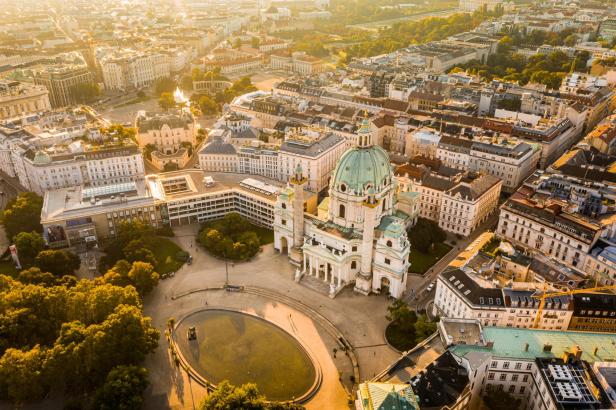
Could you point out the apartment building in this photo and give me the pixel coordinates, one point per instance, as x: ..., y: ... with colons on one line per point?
x: 544, y: 369
x: 459, y: 201
x: 469, y: 204
x: 556, y: 225
x: 317, y: 154
x: 78, y: 164
x: 298, y: 62
x: 60, y: 80
x: 128, y: 69
x: 464, y: 295
x: 510, y: 160
x: 18, y: 99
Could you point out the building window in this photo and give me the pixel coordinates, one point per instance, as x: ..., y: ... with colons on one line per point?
x: 389, y: 244
x: 491, y: 376
x: 341, y: 211
x: 353, y: 265
x: 512, y: 388
x: 505, y: 365
x: 387, y: 261
x: 503, y: 377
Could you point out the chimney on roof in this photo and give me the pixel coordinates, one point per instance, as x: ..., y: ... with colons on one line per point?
x: 526, y: 347
x: 490, y: 344
x: 547, y: 347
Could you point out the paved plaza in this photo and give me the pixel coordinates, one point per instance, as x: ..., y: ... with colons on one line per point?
x: 297, y: 309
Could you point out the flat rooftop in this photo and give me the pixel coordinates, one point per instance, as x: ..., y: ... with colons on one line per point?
x: 511, y: 343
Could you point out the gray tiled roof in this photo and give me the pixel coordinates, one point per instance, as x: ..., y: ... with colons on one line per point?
x: 312, y: 148
x: 218, y: 147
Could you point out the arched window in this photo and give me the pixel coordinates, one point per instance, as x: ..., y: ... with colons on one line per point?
x: 389, y: 244
x: 342, y: 187
x: 341, y: 211
x: 284, y: 206
x: 353, y: 265
x: 384, y: 204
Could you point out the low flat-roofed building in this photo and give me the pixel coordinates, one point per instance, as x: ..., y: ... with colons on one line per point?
x: 77, y: 215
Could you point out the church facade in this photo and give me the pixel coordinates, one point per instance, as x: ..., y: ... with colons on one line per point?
x: 359, y: 236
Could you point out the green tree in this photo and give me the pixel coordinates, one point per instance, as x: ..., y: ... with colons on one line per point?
x: 226, y: 396
x: 254, y: 42
x: 21, y: 376
x: 123, y: 389
x: 165, y: 85
x: 166, y: 101
x: 23, y: 214
x: 207, y: 105
x: 34, y: 276
x: 401, y: 315
x: 28, y: 244
x: 57, y: 262
x: 143, y: 277
x: 425, y: 234
x: 137, y: 250
x: 85, y: 93
x: 423, y: 328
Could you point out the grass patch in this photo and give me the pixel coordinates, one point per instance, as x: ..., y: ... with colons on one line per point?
x: 8, y: 268
x: 398, y: 338
x: 165, y: 252
x: 421, y: 262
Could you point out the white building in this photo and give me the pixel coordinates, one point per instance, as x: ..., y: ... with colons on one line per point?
x: 43, y: 170
x: 17, y: 99
x: 512, y: 161
x: 462, y: 295
x: 361, y: 242
x: 166, y: 131
x: 131, y: 69
x: 469, y: 204
x: 316, y: 153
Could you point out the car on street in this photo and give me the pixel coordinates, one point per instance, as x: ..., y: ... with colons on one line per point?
x: 430, y: 287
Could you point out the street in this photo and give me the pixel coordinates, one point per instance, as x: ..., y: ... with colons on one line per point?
x: 416, y: 294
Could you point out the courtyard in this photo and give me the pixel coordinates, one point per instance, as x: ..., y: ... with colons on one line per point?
x: 270, y: 293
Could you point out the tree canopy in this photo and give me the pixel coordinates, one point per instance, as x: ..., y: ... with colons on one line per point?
x: 425, y: 234
x: 85, y: 93
x: 28, y: 244
x: 68, y: 337
x: 23, y: 214
x: 57, y: 262
x: 247, y: 396
x: 229, y: 238
x: 123, y: 389
x: 166, y: 100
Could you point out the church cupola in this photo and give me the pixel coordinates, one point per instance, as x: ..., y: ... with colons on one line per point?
x: 364, y: 134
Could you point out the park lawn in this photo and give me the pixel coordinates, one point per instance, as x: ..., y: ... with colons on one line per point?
x: 8, y: 268
x: 265, y: 235
x: 165, y: 252
x: 421, y: 262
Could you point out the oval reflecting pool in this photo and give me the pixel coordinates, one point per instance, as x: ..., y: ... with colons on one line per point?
x: 242, y: 348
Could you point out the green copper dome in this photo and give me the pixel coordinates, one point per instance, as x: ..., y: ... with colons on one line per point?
x: 361, y: 168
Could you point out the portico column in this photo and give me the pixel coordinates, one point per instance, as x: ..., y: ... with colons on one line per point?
x: 326, y: 271
x: 331, y: 278
x: 339, y: 274
x: 304, y: 256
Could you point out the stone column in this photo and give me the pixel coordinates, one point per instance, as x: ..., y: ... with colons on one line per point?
x: 339, y: 274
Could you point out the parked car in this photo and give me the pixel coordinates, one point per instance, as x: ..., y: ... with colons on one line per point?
x: 190, y: 259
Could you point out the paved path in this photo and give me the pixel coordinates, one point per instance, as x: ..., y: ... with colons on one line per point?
x: 361, y: 319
